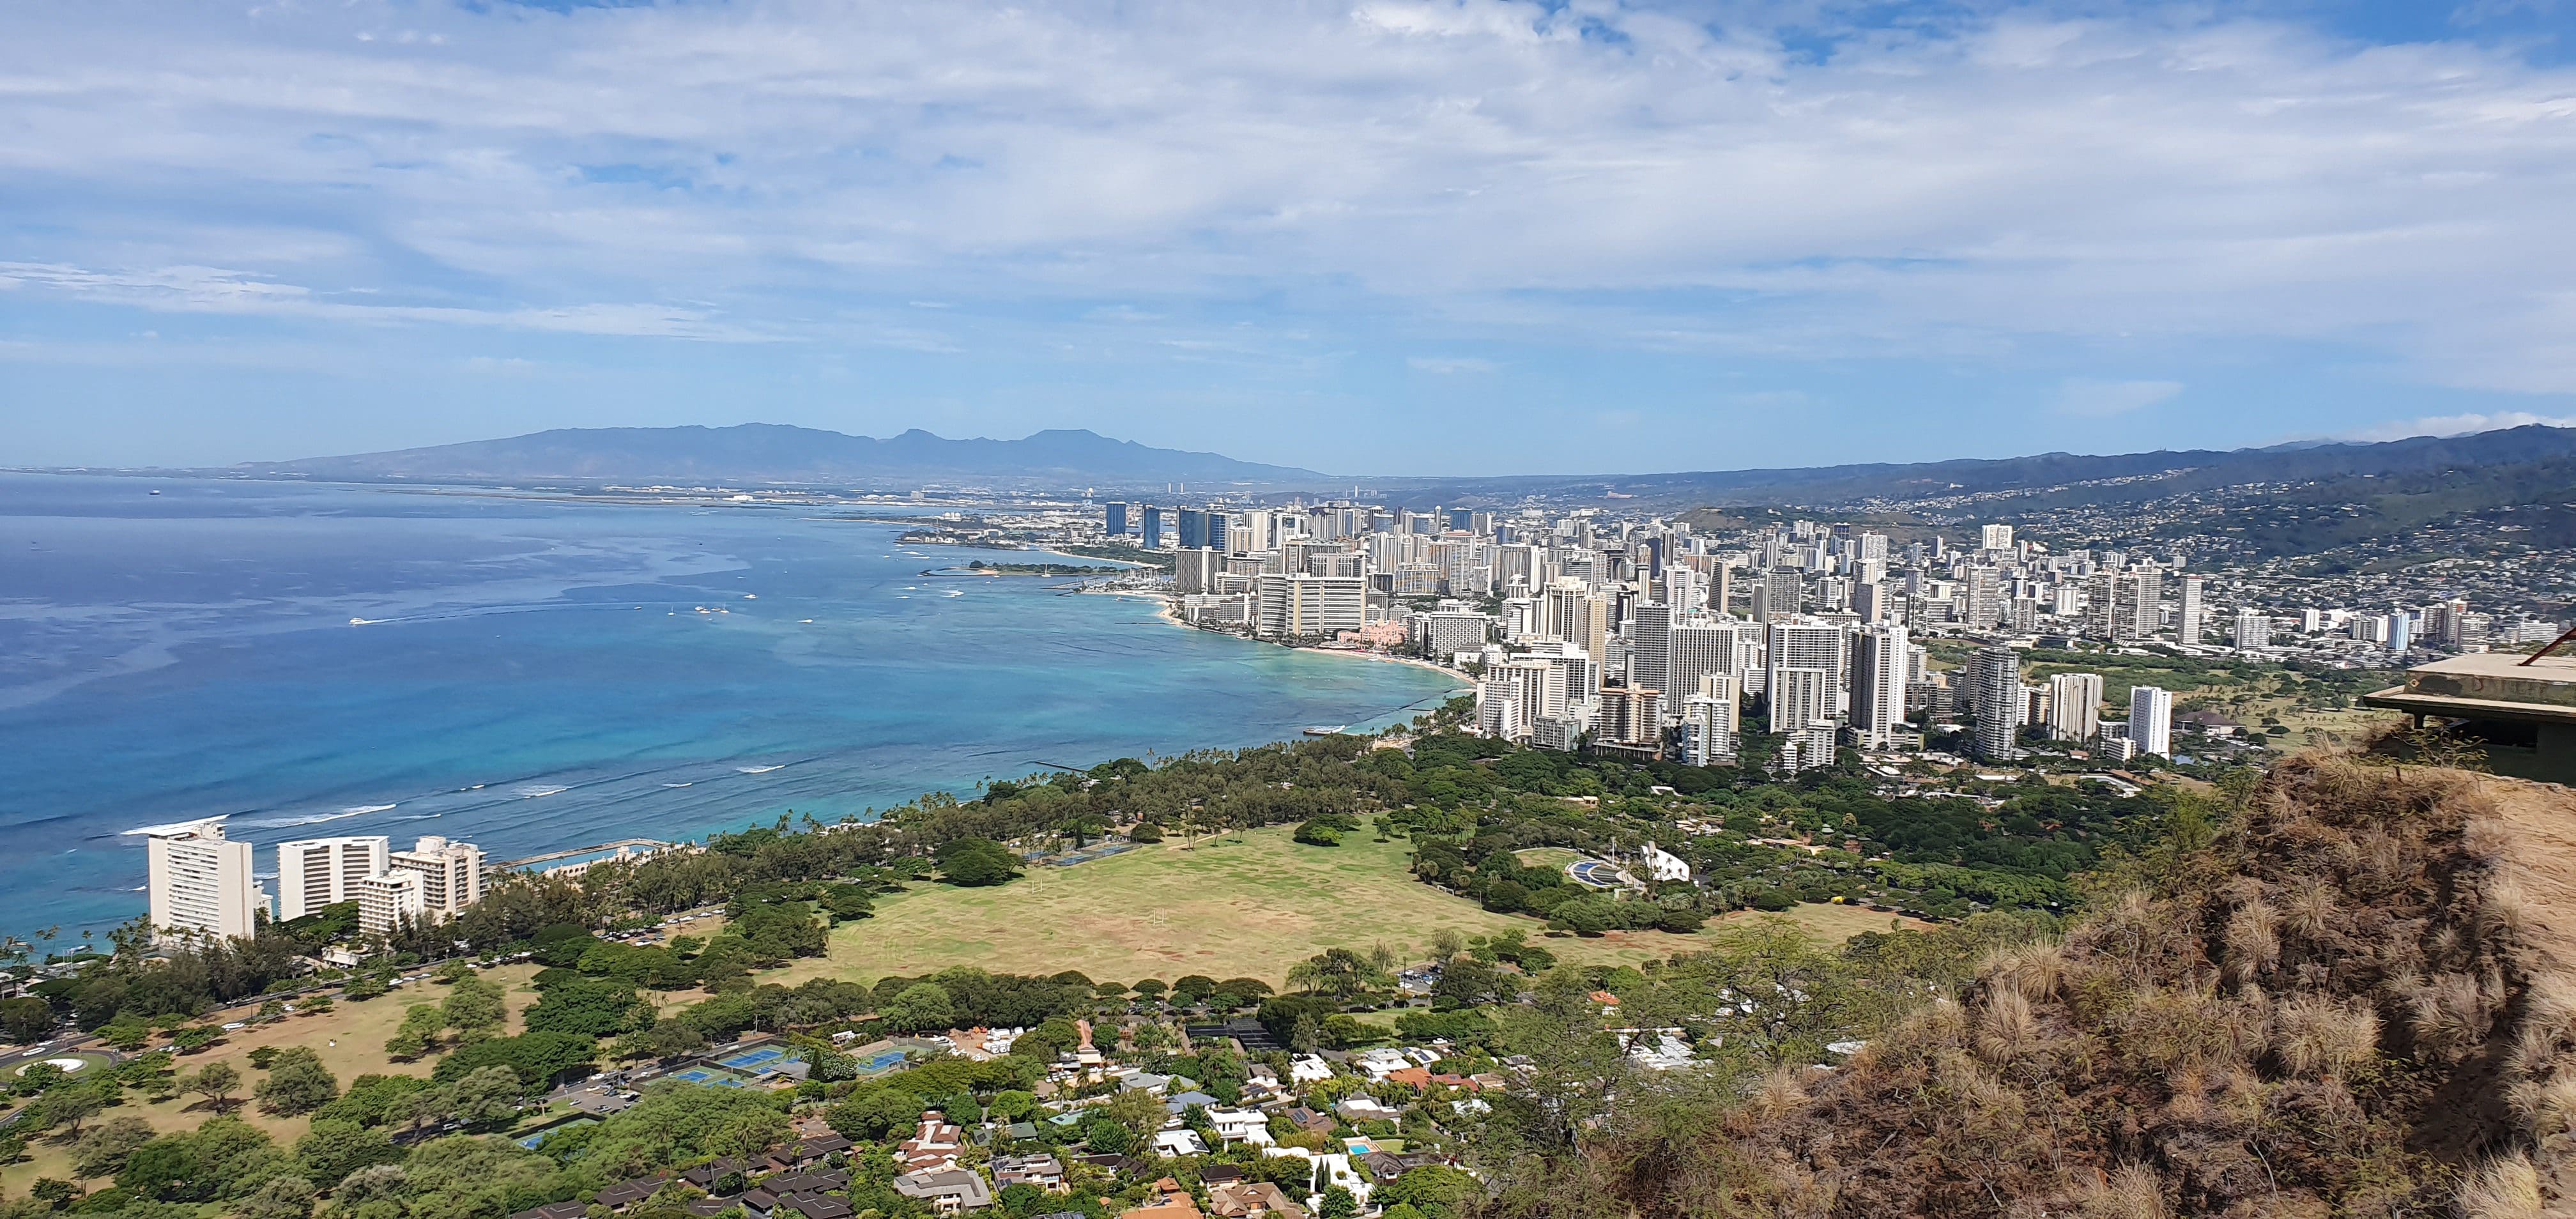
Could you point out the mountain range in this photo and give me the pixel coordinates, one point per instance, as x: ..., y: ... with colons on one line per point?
x: 778, y: 453
x: 760, y: 453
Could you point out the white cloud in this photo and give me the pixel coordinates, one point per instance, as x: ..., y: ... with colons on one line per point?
x: 1449, y: 365
x: 2457, y: 425
x: 1613, y: 174
x: 2103, y: 399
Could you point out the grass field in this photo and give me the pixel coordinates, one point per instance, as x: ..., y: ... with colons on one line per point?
x: 1245, y: 905
x: 349, y: 1039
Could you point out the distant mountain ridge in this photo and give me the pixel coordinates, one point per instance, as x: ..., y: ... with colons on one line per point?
x: 780, y: 453
x: 2198, y: 469
x: 762, y: 453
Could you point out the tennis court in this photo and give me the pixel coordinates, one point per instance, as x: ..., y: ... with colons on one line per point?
x: 708, y: 1077
x: 885, y: 1060
x: 752, y: 1060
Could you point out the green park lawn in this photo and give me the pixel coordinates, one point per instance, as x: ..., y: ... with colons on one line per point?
x: 1243, y: 905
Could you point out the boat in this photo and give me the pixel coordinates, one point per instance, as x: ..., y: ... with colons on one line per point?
x: 1325, y: 729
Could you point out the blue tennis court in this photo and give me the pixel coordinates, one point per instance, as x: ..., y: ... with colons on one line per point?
x: 752, y: 1060
x: 706, y: 1078
x: 883, y: 1061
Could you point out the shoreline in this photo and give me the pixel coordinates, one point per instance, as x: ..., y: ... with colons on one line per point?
x: 1167, y: 609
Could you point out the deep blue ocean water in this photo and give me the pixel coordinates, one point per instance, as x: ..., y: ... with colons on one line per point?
x: 535, y: 675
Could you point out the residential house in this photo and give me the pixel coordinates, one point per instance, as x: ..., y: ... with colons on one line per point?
x: 1044, y: 1171
x: 1309, y: 1069
x: 554, y: 1210
x: 1180, y: 1141
x: 935, y: 1146
x: 1241, y: 1126
x: 949, y: 1191
x: 1167, y: 1201
x: 1252, y: 1200
x: 625, y: 1194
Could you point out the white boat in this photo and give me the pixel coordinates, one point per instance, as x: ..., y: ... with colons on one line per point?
x: 1325, y: 729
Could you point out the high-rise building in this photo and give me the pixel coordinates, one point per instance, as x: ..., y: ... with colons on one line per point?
x: 1445, y: 633
x: 2146, y: 601
x: 1117, y: 525
x: 1632, y: 717
x: 2187, y: 624
x: 1878, y: 685
x: 1984, y: 589
x: 1650, y: 646
x: 1802, y: 674
x: 1994, y: 537
x: 1702, y: 648
x: 1778, y: 595
x: 1153, y: 527
x: 1709, y: 724
x: 2151, y: 720
x: 2253, y: 630
x: 1995, y: 674
x: 451, y: 875
x: 1300, y: 606
x: 317, y: 872
x: 1195, y: 569
x: 389, y: 900
x: 2074, y: 706
x: 200, y: 881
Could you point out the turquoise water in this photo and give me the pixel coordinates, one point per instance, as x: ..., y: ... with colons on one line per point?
x: 535, y: 675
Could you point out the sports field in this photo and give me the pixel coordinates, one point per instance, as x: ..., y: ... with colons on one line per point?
x: 1245, y: 905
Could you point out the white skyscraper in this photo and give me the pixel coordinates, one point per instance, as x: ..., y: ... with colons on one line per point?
x: 2074, y: 706
x: 1700, y: 649
x: 2151, y: 720
x: 451, y: 875
x: 2187, y: 625
x: 1803, y: 674
x: 316, y: 872
x: 1994, y: 537
x: 200, y: 881
x: 1878, y: 667
x: 1709, y: 725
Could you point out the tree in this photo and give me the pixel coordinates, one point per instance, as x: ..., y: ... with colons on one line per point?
x: 103, y: 1151
x: 334, y: 1148
x: 673, y: 1041
x: 874, y: 1114
x: 976, y: 862
x: 920, y: 1007
x: 279, y: 1198
x: 216, y: 1081
x: 419, y: 1033
x: 297, y: 1083
x: 1340, y: 1204
x: 1436, y: 1191
x: 474, y: 1007
x: 72, y: 1106
x: 487, y: 1096
x: 26, y: 1019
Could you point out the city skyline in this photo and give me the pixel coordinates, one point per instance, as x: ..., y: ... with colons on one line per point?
x: 1632, y: 238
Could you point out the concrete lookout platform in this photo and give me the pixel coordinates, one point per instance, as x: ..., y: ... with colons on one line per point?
x: 2523, y: 714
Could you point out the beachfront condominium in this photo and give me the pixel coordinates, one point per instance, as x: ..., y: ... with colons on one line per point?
x: 431, y: 883
x: 317, y: 872
x: 451, y: 875
x: 201, y: 881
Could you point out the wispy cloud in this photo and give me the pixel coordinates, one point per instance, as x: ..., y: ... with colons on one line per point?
x: 1449, y: 365
x: 2089, y: 399
x: 191, y: 289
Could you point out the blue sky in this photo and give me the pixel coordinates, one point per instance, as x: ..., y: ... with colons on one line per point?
x: 1372, y: 236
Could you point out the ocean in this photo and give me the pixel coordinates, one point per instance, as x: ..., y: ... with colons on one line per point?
x: 534, y: 674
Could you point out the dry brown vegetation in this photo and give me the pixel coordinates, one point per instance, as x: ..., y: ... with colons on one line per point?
x: 2341, y: 1001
